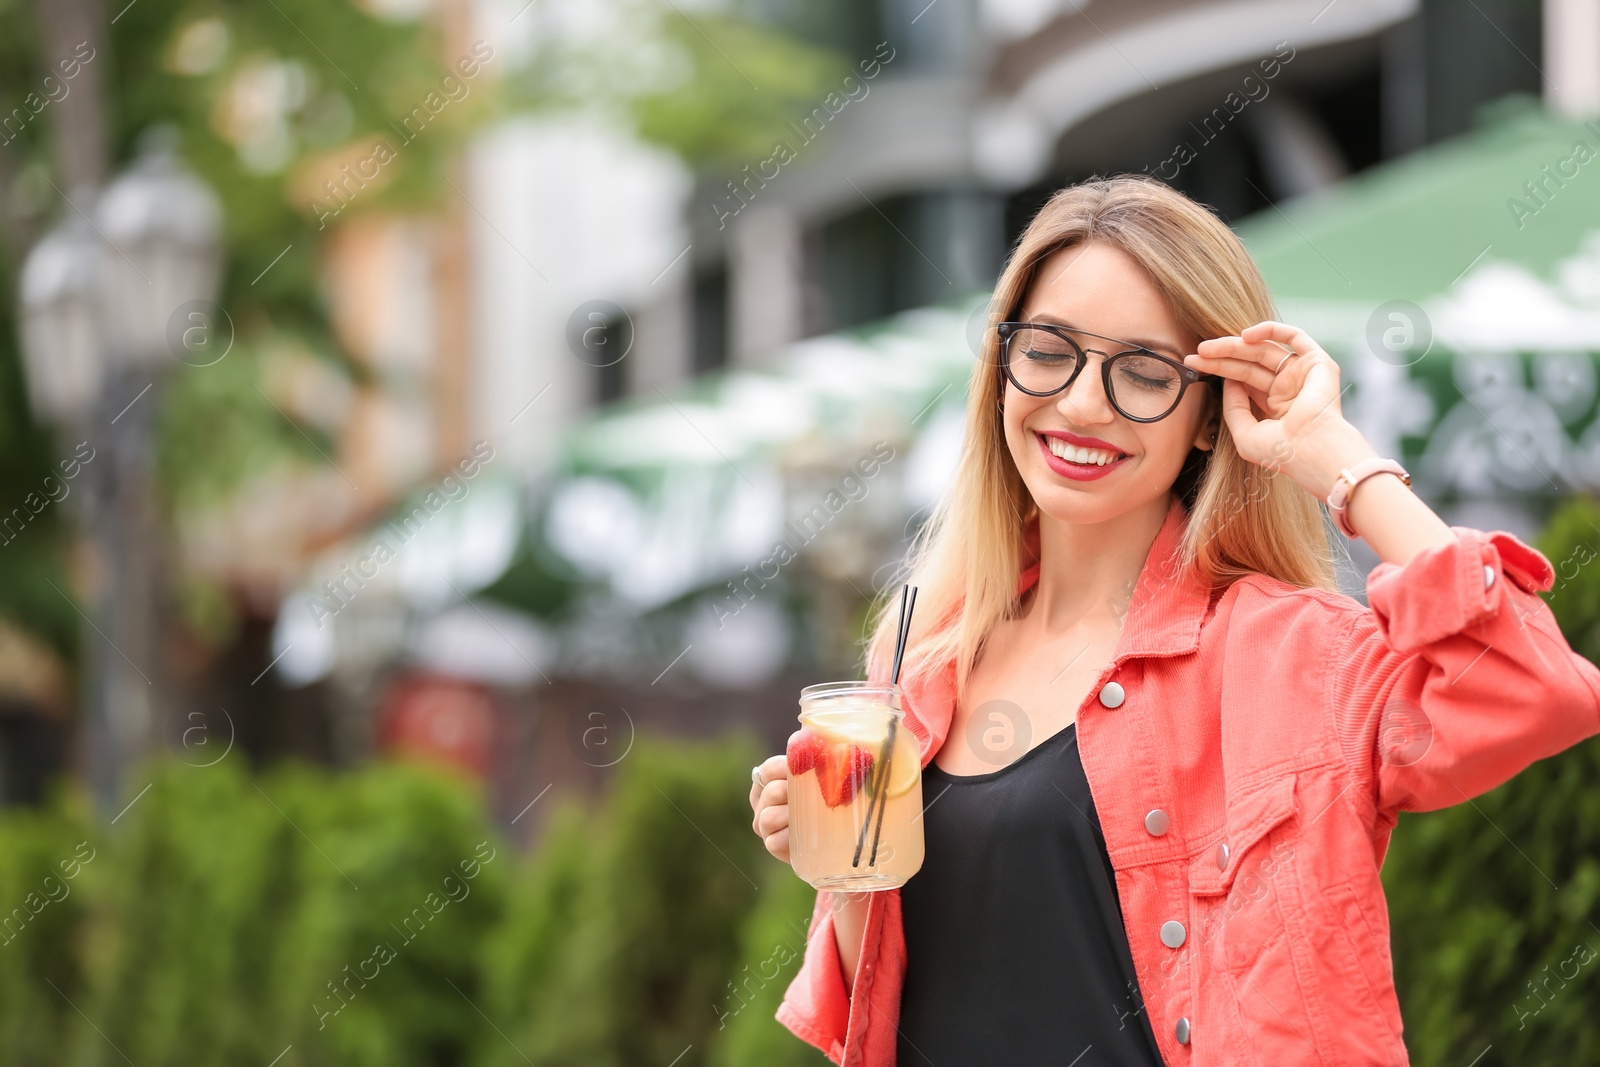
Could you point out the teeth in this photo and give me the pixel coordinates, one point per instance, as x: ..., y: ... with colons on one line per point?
x: 1097, y: 457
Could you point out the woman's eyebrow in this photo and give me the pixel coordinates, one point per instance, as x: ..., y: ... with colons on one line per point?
x: 1154, y: 346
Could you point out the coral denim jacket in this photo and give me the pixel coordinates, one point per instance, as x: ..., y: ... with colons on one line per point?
x: 1282, y: 730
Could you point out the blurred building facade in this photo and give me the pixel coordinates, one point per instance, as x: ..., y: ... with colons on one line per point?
x: 912, y: 193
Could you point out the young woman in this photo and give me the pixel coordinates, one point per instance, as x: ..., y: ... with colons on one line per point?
x: 1162, y: 754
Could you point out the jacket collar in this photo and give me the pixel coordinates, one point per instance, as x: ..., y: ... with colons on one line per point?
x: 1162, y: 616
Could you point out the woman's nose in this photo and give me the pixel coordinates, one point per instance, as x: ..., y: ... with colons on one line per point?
x: 1086, y: 399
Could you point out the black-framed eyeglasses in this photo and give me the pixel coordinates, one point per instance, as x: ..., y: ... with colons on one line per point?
x: 1043, y: 359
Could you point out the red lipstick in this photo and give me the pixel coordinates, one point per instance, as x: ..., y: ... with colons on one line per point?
x: 1078, y: 472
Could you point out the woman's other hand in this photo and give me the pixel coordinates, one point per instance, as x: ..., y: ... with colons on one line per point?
x: 770, y: 802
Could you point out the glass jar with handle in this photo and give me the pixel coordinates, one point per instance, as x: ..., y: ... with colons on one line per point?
x: 855, y: 789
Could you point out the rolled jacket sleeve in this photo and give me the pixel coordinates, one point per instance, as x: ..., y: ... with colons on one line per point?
x: 1457, y: 676
x: 816, y: 1008
x: 856, y: 1029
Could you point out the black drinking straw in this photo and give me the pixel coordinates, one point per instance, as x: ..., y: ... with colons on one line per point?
x: 880, y: 798
x: 908, y: 604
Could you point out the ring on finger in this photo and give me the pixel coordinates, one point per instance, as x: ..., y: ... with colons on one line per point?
x: 755, y: 776
x: 1287, y: 357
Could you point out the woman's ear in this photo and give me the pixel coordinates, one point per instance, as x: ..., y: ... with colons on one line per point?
x: 1205, y: 438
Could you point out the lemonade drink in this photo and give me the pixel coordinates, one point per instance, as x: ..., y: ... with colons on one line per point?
x: 855, y: 789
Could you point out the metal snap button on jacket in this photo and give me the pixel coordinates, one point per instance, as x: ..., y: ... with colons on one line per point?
x: 1111, y: 695
x: 1488, y: 576
x: 1173, y: 933
x: 1157, y: 822
x: 1182, y: 1031
x: 1222, y: 856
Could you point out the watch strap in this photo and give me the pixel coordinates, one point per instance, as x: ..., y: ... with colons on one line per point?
x: 1349, y: 478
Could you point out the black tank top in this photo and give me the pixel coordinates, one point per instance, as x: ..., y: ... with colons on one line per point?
x: 1016, y: 952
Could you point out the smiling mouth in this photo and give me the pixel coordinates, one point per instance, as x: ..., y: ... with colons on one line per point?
x: 1089, y: 457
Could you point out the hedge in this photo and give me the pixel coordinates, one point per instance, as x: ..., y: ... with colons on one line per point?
x: 377, y: 918
x: 46, y: 863
x: 620, y: 948
x: 238, y: 917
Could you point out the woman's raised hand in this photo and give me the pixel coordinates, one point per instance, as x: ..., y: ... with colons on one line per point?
x: 770, y: 802
x: 1278, y: 371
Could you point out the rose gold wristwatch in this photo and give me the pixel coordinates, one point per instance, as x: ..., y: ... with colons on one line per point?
x: 1349, y: 478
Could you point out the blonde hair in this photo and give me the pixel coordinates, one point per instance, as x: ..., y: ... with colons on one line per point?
x: 1243, y: 519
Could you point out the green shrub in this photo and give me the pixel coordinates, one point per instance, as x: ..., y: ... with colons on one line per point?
x: 522, y: 963
x: 246, y: 916
x: 1493, y: 903
x: 192, y: 869
x: 772, y: 947
x: 47, y: 864
x: 431, y: 874
x: 364, y: 919
x: 623, y: 942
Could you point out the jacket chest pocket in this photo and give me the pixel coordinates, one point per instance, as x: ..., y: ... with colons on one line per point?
x: 1242, y: 888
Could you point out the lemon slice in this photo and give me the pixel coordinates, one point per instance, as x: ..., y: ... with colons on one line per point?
x: 905, y: 768
x: 868, y: 734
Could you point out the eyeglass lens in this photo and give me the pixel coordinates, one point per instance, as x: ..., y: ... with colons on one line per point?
x: 1142, y: 386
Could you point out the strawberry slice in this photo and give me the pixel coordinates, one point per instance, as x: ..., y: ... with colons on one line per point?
x: 806, y: 750
x: 842, y: 770
x: 842, y: 767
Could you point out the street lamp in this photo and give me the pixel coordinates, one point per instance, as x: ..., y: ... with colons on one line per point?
x: 164, y: 229
x: 105, y: 308
x: 59, y: 289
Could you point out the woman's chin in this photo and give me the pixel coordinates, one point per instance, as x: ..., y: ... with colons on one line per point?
x: 1094, y: 502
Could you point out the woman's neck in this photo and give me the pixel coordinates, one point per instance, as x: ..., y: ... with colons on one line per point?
x: 1088, y: 570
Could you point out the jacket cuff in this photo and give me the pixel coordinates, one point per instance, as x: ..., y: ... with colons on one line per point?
x: 1445, y: 589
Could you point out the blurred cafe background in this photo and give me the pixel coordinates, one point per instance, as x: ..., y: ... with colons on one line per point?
x: 442, y: 436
